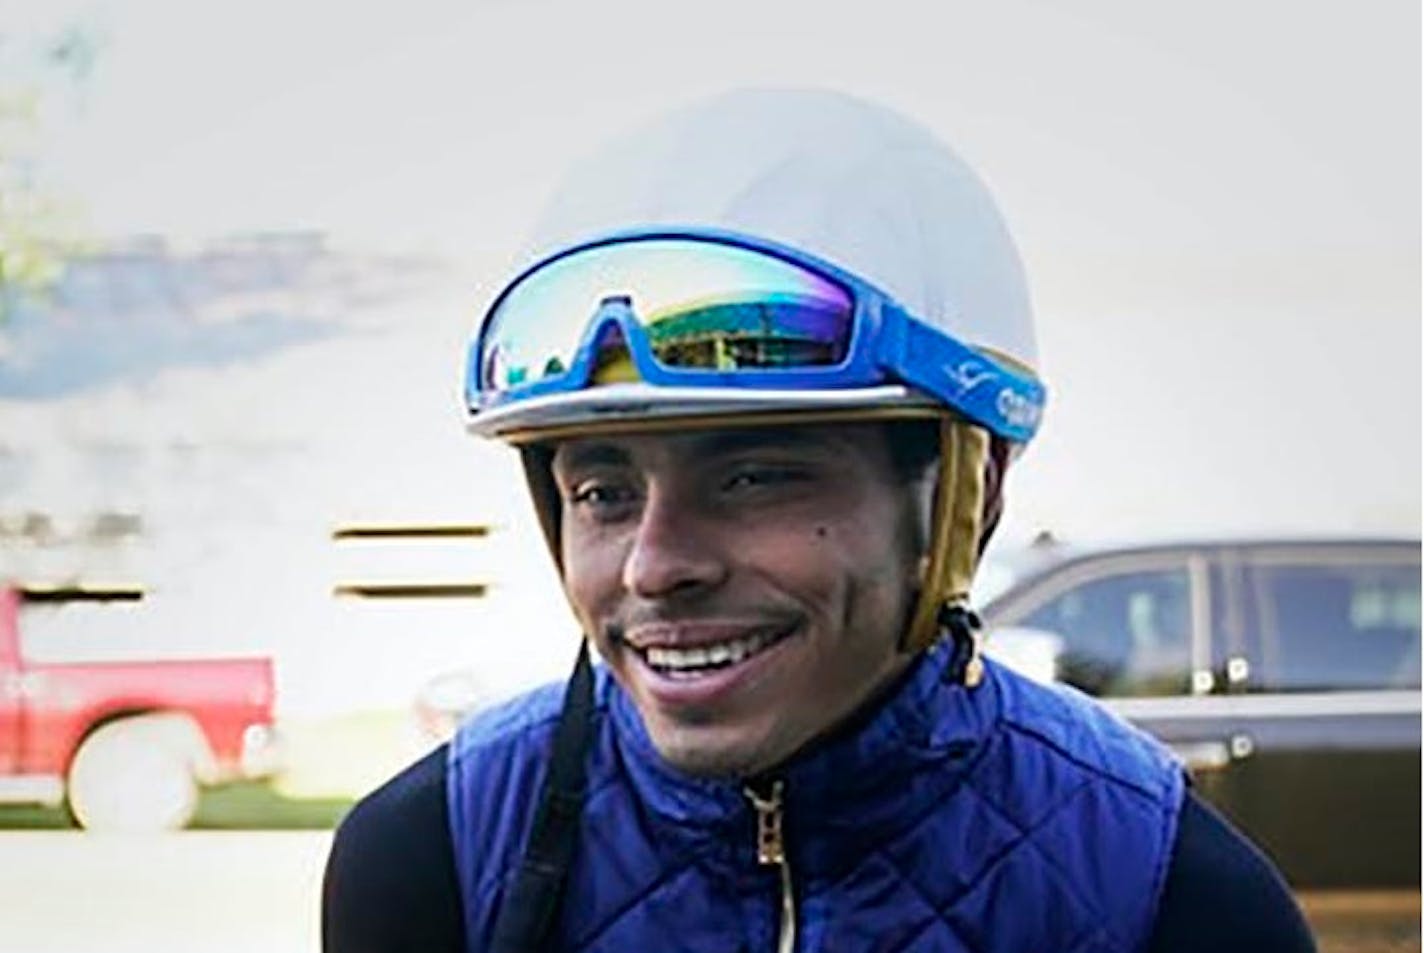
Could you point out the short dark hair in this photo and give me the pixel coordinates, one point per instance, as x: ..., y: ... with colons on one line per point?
x: 914, y: 447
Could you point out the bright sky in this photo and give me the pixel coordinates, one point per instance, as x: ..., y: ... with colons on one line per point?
x: 1218, y: 202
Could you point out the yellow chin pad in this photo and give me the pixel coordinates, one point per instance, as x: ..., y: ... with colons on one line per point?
x: 954, y: 532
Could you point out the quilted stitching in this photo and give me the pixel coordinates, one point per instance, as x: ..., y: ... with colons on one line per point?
x: 944, y: 908
x: 637, y: 901
x: 610, y: 828
x: 604, y: 842
x: 989, y: 860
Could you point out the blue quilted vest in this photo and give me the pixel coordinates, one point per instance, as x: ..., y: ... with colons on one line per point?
x: 1008, y: 817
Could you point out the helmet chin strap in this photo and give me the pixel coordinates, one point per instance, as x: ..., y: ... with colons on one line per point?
x: 954, y: 545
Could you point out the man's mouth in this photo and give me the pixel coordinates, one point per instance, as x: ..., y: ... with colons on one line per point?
x: 690, y: 661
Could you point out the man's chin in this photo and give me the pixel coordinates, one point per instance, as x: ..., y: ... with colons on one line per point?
x: 712, y: 759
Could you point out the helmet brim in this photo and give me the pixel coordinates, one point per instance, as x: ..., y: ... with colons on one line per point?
x: 638, y: 406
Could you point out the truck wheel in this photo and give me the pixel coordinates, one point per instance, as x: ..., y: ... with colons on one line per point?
x: 134, y: 775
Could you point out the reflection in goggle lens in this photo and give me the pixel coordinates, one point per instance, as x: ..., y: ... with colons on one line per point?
x: 704, y: 306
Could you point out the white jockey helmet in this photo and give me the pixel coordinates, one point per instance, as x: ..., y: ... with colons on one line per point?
x: 847, y: 184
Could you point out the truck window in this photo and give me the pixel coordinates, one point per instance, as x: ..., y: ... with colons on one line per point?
x: 1337, y: 626
x: 1124, y: 634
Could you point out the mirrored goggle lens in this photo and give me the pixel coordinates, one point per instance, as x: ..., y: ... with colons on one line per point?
x: 703, y: 306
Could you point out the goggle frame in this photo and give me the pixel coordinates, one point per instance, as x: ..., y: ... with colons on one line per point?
x: 887, y: 345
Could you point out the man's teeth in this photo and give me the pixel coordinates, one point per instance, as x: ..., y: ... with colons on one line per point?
x: 708, y: 656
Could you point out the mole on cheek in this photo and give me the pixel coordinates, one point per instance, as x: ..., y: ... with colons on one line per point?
x: 821, y: 532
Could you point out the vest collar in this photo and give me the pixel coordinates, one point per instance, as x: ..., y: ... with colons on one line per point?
x: 868, y: 773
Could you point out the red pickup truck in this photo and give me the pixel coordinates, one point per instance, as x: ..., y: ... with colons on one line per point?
x: 125, y: 745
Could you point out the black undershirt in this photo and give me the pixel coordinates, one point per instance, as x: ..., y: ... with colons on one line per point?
x: 390, y: 880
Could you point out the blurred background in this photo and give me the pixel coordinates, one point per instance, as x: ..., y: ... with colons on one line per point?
x: 241, y: 247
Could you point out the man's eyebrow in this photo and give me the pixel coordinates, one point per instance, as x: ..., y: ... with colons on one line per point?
x: 590, y: 454
x: 759, y: 438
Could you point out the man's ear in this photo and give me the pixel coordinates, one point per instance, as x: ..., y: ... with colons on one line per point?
x: 996, y: 465
x: 538, y: 461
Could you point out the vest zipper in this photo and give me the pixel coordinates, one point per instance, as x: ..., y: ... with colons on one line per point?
x: 771, y: 852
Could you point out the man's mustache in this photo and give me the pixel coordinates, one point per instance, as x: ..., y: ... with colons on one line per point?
x: 615, y: 632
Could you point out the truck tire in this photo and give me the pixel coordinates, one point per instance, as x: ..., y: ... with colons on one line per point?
x: 135, y: 775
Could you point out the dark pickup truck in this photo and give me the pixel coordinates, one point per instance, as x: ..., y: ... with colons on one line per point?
x: 1286, y: 674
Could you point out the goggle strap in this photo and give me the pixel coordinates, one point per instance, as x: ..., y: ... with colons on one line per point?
x: 1002, y: 395
x: 955, y: 529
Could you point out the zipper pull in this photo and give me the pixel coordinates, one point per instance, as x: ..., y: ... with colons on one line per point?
x: 771, y: 848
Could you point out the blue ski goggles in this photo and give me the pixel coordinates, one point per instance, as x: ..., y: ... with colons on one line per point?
x: 716, y: 310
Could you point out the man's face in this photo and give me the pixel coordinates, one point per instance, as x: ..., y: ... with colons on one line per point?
x: 748, y: 588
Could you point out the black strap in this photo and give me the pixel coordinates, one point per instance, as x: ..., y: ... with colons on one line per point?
x: 532, y: 902
x: 959, y: 623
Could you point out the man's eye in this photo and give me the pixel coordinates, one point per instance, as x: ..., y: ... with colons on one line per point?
x: 600, y: 495
x: 754, y: 477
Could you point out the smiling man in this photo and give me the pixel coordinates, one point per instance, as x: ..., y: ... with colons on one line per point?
x: 766, y: 371
x: 746, y: 587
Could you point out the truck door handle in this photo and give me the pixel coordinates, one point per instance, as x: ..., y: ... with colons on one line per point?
x: 1212, y: 754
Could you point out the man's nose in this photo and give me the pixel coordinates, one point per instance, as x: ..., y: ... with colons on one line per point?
x: 674, y: 551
